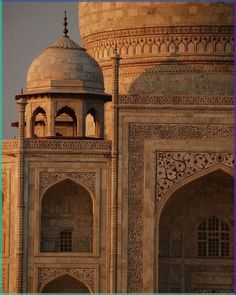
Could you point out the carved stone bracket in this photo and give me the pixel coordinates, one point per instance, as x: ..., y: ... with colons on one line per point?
x: 85, y: 275
x: 138, y: 133
x: 46, y: 179
x: 173, y: 167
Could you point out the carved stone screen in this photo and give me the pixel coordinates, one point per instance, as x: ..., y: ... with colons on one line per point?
x: 67, y: 207
x: 180, y: 267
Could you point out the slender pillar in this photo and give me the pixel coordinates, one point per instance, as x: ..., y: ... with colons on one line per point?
x: 114, y: 188
x: 51, y: 118
x: 20, y: 198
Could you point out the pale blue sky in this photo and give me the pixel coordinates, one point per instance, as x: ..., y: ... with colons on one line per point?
x: 28, y: 28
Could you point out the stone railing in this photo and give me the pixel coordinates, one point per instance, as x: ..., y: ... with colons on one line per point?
x: 60, y: 145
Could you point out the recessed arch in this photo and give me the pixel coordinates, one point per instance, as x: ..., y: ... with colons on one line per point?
x: 67, y: 218
x: 65, y: 122
x: 71, y: 179
x: 203, y: 195
x: 65, y: 284
x: 39, y: 123
x: 92, y: 124
x: 160, y: 205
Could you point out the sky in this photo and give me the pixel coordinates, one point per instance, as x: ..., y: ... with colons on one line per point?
x: 28, y: 28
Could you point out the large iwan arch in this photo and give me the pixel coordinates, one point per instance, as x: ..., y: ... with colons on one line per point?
x: 178, y: 266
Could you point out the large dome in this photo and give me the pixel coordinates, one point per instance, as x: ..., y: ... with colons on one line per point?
x: 109, y: 16
x: 161, y: 43
x: 168, y: 49
x: 66, y: 67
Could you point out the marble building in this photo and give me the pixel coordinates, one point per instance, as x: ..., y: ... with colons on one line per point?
x: 121, y: 178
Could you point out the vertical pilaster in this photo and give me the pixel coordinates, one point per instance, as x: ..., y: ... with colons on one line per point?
x: 51, y: 119
x: 20, y: 198
x: 114, y: 173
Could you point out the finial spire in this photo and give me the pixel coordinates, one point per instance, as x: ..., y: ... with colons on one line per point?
x: 65, y: 31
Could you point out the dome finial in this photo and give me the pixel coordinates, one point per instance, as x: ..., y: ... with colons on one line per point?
x: 65, y: 31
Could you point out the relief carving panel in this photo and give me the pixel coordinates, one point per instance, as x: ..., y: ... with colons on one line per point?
x: 174, y: 167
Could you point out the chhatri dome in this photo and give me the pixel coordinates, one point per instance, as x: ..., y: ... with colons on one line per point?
x: 65, y: 66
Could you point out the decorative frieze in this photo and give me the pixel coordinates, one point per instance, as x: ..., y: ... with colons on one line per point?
x: 85, y: 275
x: 9, y: 145
x: 161, y: 40
x: 177, y: 100
x: 78, y: 146
x: 75, y: 145
x: 161, y: 30
x: 176, y: 64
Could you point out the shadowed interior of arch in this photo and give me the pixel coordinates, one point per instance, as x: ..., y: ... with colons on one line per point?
x: 67, y: 218
x: 39, y: 123
x: 65, y: 122
x: 193, y: 235
x: 65, y: 284
x: 92, y: 128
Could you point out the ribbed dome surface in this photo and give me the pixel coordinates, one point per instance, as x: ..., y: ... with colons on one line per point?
x: 65, y: 66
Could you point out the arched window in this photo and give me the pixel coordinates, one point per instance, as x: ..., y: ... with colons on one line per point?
x: 67, y: 218
x: 92, y: 128
x: 39, y: 123
x: 65, y: 284
x: 65, y: 122
x: 213, y: 238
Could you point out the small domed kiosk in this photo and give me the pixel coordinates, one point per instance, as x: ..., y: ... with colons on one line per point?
x: 65, y: 93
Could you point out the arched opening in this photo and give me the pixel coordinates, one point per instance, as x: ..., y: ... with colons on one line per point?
x: 65, y: 284
x: 92, y: 127
x: 196, y: 237
x: 67, y: 218
x: 39, y: 123
x: 65, y: 122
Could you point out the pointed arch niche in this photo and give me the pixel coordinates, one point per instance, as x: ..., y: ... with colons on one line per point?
x: 92, y: 124
x: 67, y: 218
x: 178, y: 266
x: 39, y: 126
x: 66, y: 122
x: 65, y: 284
